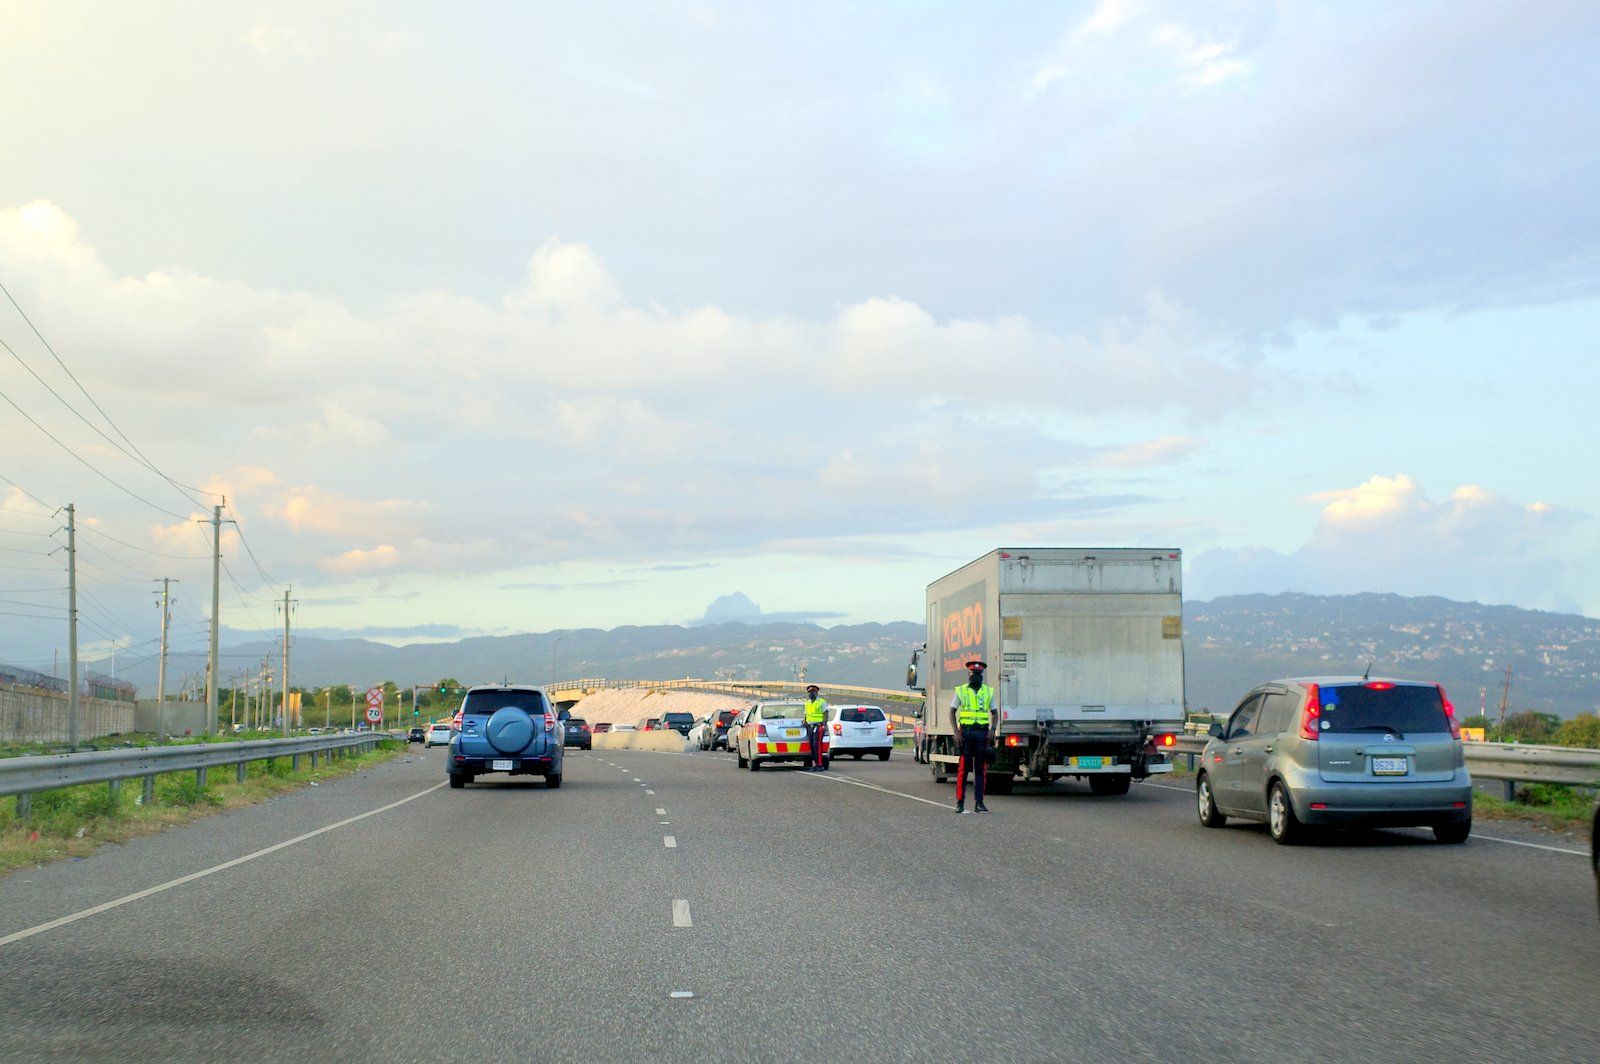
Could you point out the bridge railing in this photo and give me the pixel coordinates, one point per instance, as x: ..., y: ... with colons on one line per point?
x: 26, y: 776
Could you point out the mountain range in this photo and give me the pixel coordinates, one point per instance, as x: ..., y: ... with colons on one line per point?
x: 1231, y: 643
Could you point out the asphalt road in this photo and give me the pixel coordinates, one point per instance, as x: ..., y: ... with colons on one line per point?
x: 811, y: 917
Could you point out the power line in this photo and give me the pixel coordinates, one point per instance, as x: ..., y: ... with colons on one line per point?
x: 184, y: 488
x: 89, y: 465
x: 246, y: 543
x: 135, y: 546
x: 22, y: 550
x: 29, y: 494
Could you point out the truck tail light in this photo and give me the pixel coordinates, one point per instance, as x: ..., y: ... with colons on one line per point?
x: 1015, y: 740
x: 1312, y: 713
x: 1449, y: 713
x: 1163, y: 742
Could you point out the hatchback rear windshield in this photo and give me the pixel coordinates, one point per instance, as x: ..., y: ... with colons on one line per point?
x: 861, y: 714
x: 486, y: 702
x: 726, y: 717
x: 1405, y: 708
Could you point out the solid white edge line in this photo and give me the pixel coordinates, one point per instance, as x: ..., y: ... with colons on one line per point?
x: 830, y: 777
x: 669, y: 841
x: 1474, y: 835
x: 17, y: 936
x: 680, y: 913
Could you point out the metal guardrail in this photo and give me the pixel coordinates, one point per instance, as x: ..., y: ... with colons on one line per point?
x: 1511, y: 763
x: 25, y: 776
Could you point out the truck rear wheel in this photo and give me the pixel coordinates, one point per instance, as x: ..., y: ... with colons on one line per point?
x: 1110, y: 785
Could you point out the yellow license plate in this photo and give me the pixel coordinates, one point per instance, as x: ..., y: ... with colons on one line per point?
x: 792, y: 732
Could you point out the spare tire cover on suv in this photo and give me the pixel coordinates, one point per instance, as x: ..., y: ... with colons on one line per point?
x: 509, y: 730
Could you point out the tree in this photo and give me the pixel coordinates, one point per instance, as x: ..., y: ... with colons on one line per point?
x: 1582, y: 730
x: 1526, y: 726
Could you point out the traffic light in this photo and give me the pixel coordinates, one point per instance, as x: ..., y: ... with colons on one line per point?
x: 444, y: 688
x: 416, y: 712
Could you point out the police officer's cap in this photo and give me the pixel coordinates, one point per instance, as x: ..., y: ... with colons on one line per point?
x: 812, y: 687
x: 976, y: 664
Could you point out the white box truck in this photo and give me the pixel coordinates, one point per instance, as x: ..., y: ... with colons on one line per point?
x: 1085, y: 654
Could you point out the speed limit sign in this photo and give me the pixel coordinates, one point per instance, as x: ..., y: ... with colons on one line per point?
x: 375, y: 704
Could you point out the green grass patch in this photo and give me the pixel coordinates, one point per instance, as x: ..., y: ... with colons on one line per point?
x: 1554, y: 806
x: 74, y: 821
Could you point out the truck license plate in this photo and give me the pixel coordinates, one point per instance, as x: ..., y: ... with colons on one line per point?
x: 1089, y: 762
x: 500, y: 766
x: 1388, y: 766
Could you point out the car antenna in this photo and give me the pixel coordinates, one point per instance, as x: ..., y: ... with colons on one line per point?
x: 1368, y: 672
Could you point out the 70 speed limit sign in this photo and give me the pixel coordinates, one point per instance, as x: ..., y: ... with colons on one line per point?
x: 374, y: 704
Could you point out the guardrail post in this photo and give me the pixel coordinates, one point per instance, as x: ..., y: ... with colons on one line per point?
x: 239, y: 772
x: 294, y: 762
x: 147, y: 793
x: 115, y: 787
x: 313, y: 759
x: 24, y: 806
x: 200, y: 777
x: 1511, y: 790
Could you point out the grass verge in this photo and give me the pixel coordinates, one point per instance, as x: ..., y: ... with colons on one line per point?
x: 1561, y: 809
x: 75, y: 821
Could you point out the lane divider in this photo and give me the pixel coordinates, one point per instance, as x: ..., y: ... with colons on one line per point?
x: 680, y: 913
x: 128, y: 899
x: 669, y: 841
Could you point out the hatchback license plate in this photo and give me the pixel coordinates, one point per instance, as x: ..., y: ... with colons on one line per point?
x: 792, y: 733
x: 1388, y: 766
x: 501, y: 766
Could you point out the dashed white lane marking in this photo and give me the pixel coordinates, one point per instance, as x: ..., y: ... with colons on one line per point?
x: 18, y: 936
x: 831, y: 778
x: 683, y: 994
x: 661, y: 812
x: 648, y: 791
x: 636, y: 779
x: 680, y: 913
x: 669, y: 841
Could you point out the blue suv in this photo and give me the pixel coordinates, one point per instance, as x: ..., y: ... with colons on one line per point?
x: 506, y: 729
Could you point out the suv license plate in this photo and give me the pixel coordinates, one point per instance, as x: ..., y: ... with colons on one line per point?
x: 501, y: 766
x: 1388, y: 766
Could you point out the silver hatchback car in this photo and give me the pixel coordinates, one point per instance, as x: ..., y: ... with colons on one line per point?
x: 1338, y: 750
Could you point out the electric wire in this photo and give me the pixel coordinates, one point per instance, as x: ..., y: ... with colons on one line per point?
x: 135, y: 546
x: 28, y: 493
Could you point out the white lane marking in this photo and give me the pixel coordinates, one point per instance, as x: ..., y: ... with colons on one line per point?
x: 661, y: 812
x: 683, y: 994
x: 680, y: 913
x: 831, y: 778
x: 648, y: 791
x: 669, y: 841
x: 1530, y: 845
x: 1475, y: 835
x: 636, y: 779
x: 126, y: 899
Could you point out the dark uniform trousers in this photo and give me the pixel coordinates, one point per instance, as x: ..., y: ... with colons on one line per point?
x: 814, y: 744
x: 974, y: 753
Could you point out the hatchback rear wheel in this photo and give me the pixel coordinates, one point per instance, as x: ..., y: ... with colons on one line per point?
x: 1206, y: 803
x: 1282, y: 824
x: 1453, y: 833
x: 755, y: 765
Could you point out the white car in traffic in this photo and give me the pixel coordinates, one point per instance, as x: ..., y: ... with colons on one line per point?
x: 438, y: 734
x: 859, y: 731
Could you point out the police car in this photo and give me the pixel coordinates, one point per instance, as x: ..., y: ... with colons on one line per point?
x: 774, y: 731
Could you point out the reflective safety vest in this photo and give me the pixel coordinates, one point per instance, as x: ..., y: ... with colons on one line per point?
x: 817, y: 712
x: 974, y: 705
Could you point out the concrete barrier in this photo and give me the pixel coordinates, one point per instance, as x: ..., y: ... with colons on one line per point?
x: 668, y: 741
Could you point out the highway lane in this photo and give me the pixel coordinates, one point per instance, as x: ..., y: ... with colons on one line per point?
x: 826, y: 920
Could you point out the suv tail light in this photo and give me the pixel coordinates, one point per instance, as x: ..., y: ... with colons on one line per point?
x: 890, y: 726
x: 549, y: 722
x: 838, y: 729
x: 1312, y: 712
x: 1449, y: 713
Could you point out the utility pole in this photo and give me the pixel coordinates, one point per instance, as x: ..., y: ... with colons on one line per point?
x: 216, y: 604
x: 72, y: 625
x: 287, y: 606
x: 161, y: 667
x: 1505, y: 697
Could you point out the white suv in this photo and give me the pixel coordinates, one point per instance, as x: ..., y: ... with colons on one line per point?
x: 860, y: 730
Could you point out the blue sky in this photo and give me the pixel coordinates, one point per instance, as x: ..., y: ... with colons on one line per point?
x: 505, y: 317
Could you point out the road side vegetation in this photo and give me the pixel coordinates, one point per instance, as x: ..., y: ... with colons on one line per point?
x: 74, y: 821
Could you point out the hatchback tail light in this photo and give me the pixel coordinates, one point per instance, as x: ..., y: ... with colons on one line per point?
x: 1378, y: 685
x: 761, y: 730
x: 890, y: 726
x: 838, y: 729
x: 1449, y: 713
x: 1312, y: 714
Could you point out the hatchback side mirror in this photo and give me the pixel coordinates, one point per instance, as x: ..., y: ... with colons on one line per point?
x: 1215, y: 731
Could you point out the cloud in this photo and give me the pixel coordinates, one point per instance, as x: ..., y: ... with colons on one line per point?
x: 1163, y: 450
x: 358, y: 561
x: 1386, y: 534
x: 1192, y: 56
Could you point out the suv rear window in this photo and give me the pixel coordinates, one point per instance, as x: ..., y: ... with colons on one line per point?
x: 577, y: 722
x: 861, y: 714
x: 483, y: 703
x: 1404, y: 707
x: 679, y: 718
x: 726, y: 717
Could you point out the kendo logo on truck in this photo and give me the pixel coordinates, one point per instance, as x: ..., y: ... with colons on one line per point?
x: 961, y: 632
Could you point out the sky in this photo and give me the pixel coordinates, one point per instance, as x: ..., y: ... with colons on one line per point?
x: 494, y: 317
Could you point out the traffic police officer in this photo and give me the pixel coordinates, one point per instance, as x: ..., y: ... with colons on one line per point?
x: 973, y: 704
x: 816, y: 726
